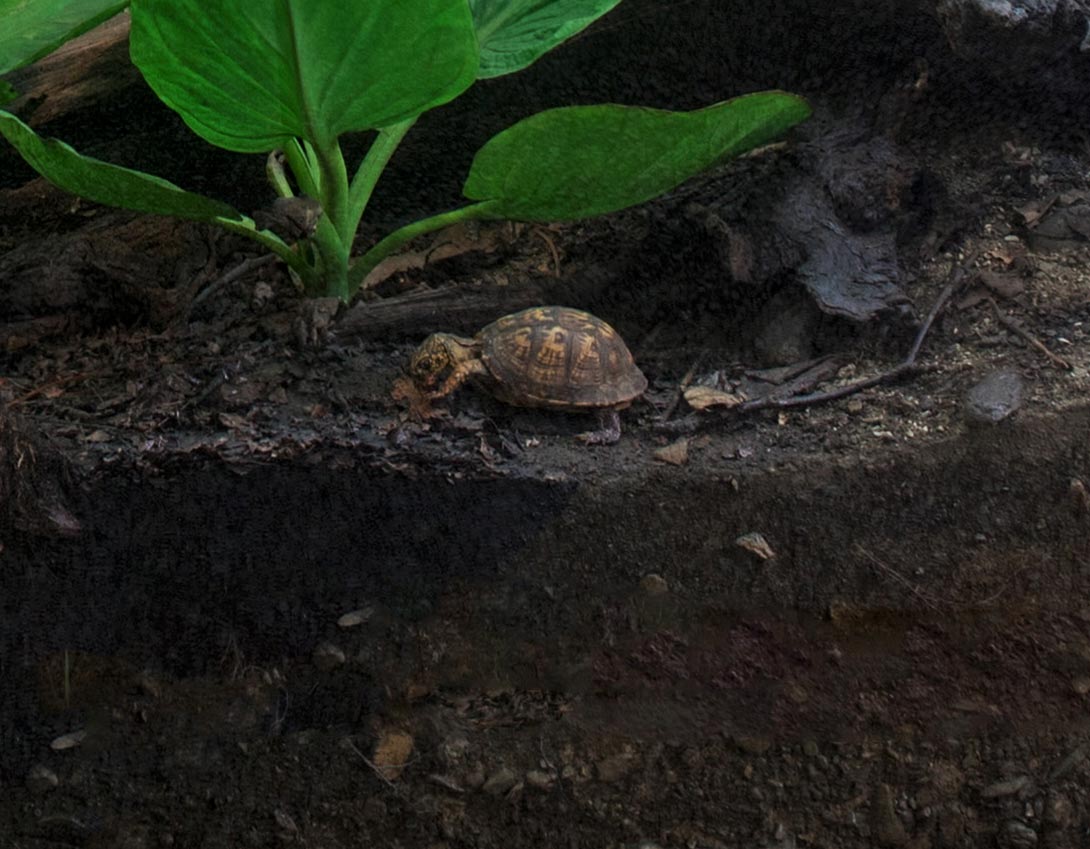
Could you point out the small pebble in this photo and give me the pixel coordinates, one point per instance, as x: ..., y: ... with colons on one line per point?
x: 1008, y: 787
x: 356, y: 617
x: 755, y: 543
x: 994, y: 398
x: 654, y: 584
x: 886, y: 826
x: 539, y: 780
x: 68, y: 741
x: 753, y: 745
x: 614, y: 768
x: 41, y: 779
x: 474, y: 779
x: 328, y: 656
x: 499, y: 782
x: 1015, y: 834
x: 374, y: 809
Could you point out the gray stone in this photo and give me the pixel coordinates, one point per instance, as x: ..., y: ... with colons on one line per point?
x: 752, y: 745
x: 614, y: 768
x: 1015, y: 834
x: 994, y: 398
x: 1009, y: 787
x: 539, y: 780
x: 885, y: 825
x: 1035, y: 42
x: 1059, y: 812
x: 499, y: 782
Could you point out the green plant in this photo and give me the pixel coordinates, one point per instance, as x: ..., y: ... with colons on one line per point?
x: 295, y: 75
x: 33, y: 29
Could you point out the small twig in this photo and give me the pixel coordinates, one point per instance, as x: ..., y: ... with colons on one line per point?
x: 1017, y: 329
x: 377, y: 770
x: 445, y: 783
x: 957, y: 280
x: 57, y: 383
x: 933, y: 601
x: 928, y: 599
x: 681, y: 387
x: 552, y: 249
x: 240, y: 270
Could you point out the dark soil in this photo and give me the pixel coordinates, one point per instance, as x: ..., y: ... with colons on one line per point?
x: 246, y: 599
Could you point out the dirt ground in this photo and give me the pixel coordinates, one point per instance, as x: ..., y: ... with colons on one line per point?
x: 248, y: 600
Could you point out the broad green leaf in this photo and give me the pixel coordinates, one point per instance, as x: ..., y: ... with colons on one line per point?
x: 6, y: 93
x: 580, y: 161
x: 33, y: 28
x: 248, y: 75
x: 105, y: 183
x: 516, y: 33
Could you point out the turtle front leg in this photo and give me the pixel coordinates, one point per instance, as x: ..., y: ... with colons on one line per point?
x: 609, y: 429
x: 461, y: 373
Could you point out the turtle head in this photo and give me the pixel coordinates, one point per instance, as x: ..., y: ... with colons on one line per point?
x: 437, y: 355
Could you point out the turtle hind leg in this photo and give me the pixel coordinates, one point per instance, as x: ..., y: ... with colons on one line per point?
x: 609, y: 429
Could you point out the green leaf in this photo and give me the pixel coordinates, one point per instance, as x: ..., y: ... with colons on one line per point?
x: 580, y: 161
x: 105, y: 183
x: 6, y: 93
x: 516, y: 33
x: 249, y: 75
x: 34, y: 28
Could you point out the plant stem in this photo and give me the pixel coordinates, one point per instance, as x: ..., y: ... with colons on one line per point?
x: 274, y: 171
x: 269, y: 240
x: 334, y: 190
x: 367, y: 263
x: 371, y: 168
x: 331, y: 276
x: 301, y: 167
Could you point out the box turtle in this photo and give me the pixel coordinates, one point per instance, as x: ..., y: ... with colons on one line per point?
x: 553, y: 357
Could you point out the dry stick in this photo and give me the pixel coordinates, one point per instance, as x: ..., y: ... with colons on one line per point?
x: 243, y: 268
x: 927, y: 598
x: 935, y: 601
x: 958, y: 274
x: 1014, y: 327
x: 374, y: 767
x: 681, y: 387
x: 552, y: 249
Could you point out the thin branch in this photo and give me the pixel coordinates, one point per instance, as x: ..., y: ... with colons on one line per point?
x: 1017, y: 329
x: 240, y: 270
x: 957, y: 279
x: 377, y: 770
x: 681, y: 387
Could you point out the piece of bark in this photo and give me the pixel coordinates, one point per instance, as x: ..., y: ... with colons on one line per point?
x: 1037, y: 43
x: 456, y: 309
x: 77, y: 76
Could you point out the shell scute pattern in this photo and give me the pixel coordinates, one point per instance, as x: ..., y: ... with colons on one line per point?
x: 560, y: 357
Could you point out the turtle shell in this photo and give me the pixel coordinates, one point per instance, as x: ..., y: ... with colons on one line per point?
x: 559, y: 357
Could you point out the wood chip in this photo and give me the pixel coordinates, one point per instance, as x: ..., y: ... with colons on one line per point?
x: 703, y: 397
x: 392, y: 753
x: 756, y: 543
x: 676, y: 453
